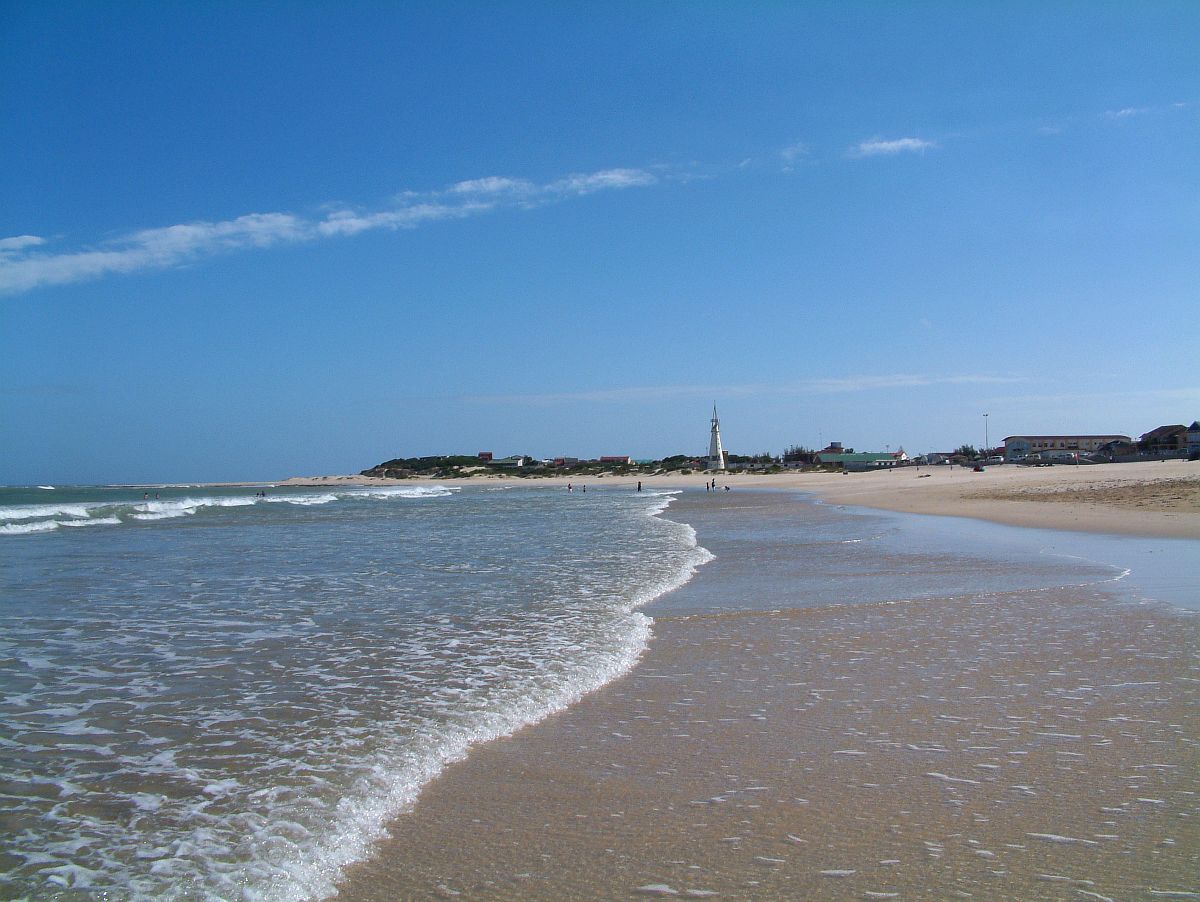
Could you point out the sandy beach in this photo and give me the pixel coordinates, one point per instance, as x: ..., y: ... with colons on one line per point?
x: 1036, y: 744
x: 1148, y: 498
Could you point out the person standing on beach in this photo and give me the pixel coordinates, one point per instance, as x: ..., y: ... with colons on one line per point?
x: 639, y: 485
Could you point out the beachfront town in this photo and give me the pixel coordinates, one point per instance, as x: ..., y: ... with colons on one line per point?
x: 1169, y: 442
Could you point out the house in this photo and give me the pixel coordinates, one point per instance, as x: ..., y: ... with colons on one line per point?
x: 515, y: 460
x: 857, y: 463
x: 485, y: 456
x: 1165, y: 441
x: 1018, y: 447
x: 565, y: 461
x: 622, y: 459
x: 1115, y: 449
x: 1193, y: 439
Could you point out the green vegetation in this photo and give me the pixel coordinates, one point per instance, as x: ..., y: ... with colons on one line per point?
x: 449, y: 466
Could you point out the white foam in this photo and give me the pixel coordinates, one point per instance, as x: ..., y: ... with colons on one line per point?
x: 947, y: 779
x: 38, y: 511
x: 1062, y: 840
x: 16, y: 529
x: 414, y: 491
x: 310, y: 800
x: 94, y: 521
x: 185, y: 507
x: 303, y: 500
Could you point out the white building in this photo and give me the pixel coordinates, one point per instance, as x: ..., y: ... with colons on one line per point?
x: 716, y: 454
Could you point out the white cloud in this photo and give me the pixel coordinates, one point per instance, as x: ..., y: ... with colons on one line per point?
x: 588, y: 183
x: 19, y: 243
x: 1126, y: 112
x: 794, y: 151
x: 493, y: 184
x: 792, y: 154
x: 24, y: 266
x: 878, y: 147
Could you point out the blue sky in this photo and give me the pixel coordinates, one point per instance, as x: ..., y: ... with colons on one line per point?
x: 259, y: 240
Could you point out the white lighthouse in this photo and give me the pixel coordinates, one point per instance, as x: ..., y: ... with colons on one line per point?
x: 716, y: 455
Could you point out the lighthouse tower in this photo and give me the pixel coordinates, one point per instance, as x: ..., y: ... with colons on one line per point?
x: 716, y: 456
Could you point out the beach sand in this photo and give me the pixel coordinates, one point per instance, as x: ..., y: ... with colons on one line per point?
x: 1023, y: 745
x: 1158, y: 498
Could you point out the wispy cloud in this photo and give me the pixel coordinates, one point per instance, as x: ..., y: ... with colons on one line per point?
x: 1127, y: 112
x: 1131, y: 112
x: 807, y: 387
x: 793, y: 154
x: 19, y: 243
x: 876, y: 147
x: 26, y: 265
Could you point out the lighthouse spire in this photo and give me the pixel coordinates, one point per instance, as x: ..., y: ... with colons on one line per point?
x: 716, y: 455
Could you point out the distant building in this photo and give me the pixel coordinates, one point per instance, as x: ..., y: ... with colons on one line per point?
x: 1193, y: 438
x: 565, y: 461
x: 859, y: 462
x: 625, y: 459
x: 485, y: 456
x: 1116, y: 448
x: 716, y: 454
x: 1018, y: 447
x: 836, y: 448
x: 515, y: 460
x: 1165, y: 441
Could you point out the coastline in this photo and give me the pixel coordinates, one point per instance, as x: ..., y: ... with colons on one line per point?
x: 1142, y: 499
x: 1024, y: 744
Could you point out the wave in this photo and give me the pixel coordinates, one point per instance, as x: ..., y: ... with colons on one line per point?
x: 303, y: 500
x: 185, y: 507
x: 415, y: 491
x: 17, y: 529
x: 550, y: 640
x: 25, y: 519
x: 36, y: 511
x: 396, y: 776
x: 94, y: 521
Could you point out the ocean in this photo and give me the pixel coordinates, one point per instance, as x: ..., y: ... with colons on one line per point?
x: 208, y: 694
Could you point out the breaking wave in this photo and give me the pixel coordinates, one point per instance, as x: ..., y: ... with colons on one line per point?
x: 27, y: 519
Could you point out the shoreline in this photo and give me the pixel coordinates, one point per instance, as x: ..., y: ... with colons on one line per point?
x: 1148, y: 498
x: 1018, y: 744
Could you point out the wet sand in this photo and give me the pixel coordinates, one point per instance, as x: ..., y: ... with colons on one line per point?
x: 1030, y: 745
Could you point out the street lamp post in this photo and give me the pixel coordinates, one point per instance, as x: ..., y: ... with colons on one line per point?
x: 986, y: 447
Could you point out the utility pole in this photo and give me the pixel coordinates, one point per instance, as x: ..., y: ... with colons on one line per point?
x: 987, y: 450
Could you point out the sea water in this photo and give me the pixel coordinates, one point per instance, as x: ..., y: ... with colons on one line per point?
x: 781, y: 550
x: 212, y: 694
